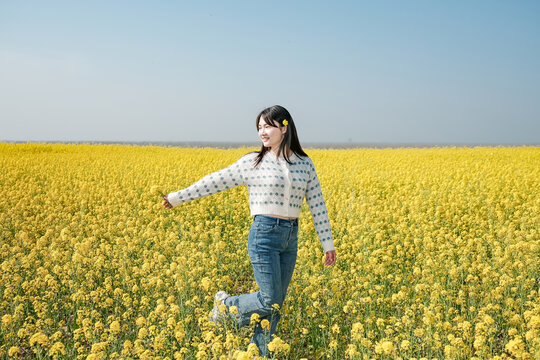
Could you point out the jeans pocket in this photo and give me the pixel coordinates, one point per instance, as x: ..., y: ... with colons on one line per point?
x: 266, y: 227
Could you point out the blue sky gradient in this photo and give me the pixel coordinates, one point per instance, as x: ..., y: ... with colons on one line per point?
x: 349, y: 71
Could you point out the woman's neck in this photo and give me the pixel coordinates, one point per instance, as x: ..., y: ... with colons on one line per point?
x: 275, y: 152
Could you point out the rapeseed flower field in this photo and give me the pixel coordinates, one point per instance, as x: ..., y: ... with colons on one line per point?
x: 438, y: 255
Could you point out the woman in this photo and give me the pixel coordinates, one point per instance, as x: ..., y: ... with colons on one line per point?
x: 278, y: 178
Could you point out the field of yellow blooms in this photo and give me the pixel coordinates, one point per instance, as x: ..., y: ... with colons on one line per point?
x: 438, y: 255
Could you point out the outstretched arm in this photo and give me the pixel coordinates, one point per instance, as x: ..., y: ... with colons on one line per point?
x: 213, y: 183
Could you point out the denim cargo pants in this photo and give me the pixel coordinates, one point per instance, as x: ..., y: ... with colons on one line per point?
x: 272, y: 248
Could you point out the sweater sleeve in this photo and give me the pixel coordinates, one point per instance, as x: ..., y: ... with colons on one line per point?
x: 213, y: 183
x: 319, y: 213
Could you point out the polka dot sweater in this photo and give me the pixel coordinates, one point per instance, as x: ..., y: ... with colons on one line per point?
x: 274, y: 187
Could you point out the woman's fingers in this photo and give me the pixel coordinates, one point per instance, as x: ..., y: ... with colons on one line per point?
x: 166, y: 203
x: 330, y: 258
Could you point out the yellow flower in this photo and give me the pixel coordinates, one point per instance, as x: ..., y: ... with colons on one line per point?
x: 531, y: 334
x: 13, y: 351
x: 515, y: 346
x: 128, y: 346
x: 252, y: 350
x: 171, y: 323
x: 56, y: 336
x: 254, y: 318
x: 6, y: 319
x: 384, y: 347
x: 39, y: 338
x: 278, y: 345
x: 141, y: 321
x: 180, y: 333
x: 115, y: 327
x: 285, y: 123
x: 206, y: 283
x: 356, y: 331
x: 57, y: 349
x: 265, y: 324
x: 178, y: 355
x: 98, y: 347
x: 405, y: 345
x: 351, y: 351
x: 154, y: 190
x: 242, y: 355
x: 143, y: 332
x: 222, y: 308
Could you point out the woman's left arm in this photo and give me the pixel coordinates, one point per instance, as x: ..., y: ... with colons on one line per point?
x: 319, y: 213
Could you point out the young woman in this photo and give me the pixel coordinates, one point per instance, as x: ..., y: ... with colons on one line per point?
x: 278, y: 177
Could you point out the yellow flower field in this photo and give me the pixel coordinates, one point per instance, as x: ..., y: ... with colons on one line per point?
x: 438, y: 255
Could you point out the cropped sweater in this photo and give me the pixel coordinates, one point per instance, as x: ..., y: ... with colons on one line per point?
x: 274, y: 187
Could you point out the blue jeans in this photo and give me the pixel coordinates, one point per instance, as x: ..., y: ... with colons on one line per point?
x: 272, y: 248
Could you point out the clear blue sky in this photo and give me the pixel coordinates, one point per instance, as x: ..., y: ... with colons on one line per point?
x: 360, y: 71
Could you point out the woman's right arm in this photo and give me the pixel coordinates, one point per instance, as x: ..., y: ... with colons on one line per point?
x: 213, y: 183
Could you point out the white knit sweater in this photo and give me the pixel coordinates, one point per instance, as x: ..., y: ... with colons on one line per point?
x: 274, y: 187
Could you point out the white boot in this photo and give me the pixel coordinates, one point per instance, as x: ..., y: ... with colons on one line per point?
x: 215, y: 315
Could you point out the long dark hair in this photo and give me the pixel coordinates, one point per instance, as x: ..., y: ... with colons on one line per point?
x: 290, y: 138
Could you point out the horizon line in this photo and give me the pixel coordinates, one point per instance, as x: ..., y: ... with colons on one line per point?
x: 314, y: 144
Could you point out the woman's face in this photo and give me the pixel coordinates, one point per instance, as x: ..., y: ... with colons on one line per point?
x: 270, y: 136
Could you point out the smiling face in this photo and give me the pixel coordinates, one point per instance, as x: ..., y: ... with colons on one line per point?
x: 270, y: 136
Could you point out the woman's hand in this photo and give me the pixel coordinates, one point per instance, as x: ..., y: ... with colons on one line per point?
x: 330, y: 258
x: 166, y: 203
